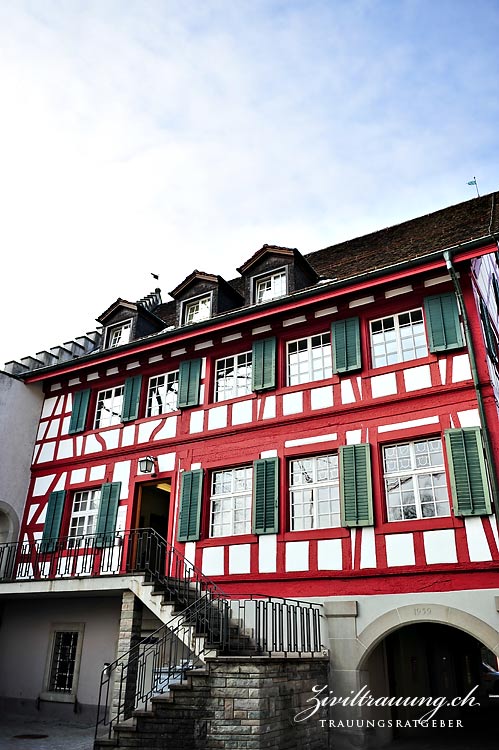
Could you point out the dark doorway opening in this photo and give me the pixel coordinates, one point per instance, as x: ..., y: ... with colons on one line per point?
x: 153, y: 507
x: 434, y: 660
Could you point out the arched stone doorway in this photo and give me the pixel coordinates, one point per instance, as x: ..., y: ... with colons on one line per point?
x: 437, y: 660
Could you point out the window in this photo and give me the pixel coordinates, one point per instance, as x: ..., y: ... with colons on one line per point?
x: 230, y: 511
x: 119, y: 334
x: 162, y: 395
x: 309, y: 359
x: 109, y: 406
x: 314, y: 493
x: 62, y: 668
x: 270, y: 287
x: 398, y: 338
x: 233, y: 376
x: 415, y: 481
x: 63, y: 662
x: 197, y: 310
x: 84, y: 515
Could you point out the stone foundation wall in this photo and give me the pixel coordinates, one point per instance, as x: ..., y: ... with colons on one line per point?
x: 236, y: 703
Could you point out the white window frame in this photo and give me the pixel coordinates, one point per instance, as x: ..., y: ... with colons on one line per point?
x: 168, y: 392
x: 227, y: 504
x: 307, y: 374
x: 272, y: 277
x: 114, y: 408
x: 398, y: 476
x: 124, y: 327
x: 401, y: 354
x: 86, y: 519
x: 189, y: 303
x: 307, y: 492
x: 228, y: 387
x: 63, y: 696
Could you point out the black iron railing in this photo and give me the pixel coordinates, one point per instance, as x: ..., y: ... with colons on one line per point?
x: 253, y: 626
x: 124, y: 552
x: 204, y: 619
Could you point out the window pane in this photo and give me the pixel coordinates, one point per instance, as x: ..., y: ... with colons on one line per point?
x: 314, y: 492
x: 398, y: 338
x: 231, y: 491
x: 413, y: 488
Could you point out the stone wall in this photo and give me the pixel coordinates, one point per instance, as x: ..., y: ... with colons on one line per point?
x: 235, y: 703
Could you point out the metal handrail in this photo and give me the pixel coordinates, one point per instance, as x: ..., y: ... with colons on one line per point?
x: 205, y: 618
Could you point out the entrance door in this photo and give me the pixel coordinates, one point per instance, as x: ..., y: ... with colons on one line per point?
x: 433, y: 660
x: 152, y: 507
x: 148, y: 551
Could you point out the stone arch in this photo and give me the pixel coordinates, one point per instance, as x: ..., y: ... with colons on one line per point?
x: 9, y: 523
x: 413, y: 614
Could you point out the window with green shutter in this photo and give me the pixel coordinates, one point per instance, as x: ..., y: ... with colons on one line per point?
x: 468, y: 475
x: 190, y: 506
x: 442, y: 321
x: 264, y: 364
x: 79, y: 411
x: 108, y: 511
x: 490, y: 336
x: 131, y: 398
x: 345, y: 340
x: 189, y: 381
x: 356, y: 485
x: 265, y: 496
x: 53, y: 518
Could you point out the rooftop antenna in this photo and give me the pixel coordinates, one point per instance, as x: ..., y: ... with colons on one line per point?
x: 473, y: 182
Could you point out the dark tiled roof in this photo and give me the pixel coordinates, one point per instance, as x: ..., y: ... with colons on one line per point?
x: 412, y: 239
x: 444, y: 229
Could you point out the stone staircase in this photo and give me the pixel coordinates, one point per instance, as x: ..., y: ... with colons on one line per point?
x: 233, y: 702
x: 207, y: 673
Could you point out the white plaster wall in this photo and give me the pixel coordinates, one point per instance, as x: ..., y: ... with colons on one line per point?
x: 29, y: 623
x: 20, y: 408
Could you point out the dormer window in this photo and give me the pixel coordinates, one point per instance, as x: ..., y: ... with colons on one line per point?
x: 119, y: 334
x: 271, y: 286
x: 196, y: 310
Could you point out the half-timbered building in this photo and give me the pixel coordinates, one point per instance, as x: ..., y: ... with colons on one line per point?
x: 323, y: 428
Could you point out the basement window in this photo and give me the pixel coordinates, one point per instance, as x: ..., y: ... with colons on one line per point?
x: 63, y: 663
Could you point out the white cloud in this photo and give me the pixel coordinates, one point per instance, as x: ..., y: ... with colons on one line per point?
x: 162, y: 136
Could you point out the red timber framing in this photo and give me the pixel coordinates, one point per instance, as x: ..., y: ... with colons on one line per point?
x: 401, y: 403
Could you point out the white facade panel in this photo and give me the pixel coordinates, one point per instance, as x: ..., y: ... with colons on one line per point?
x: 399, y: 550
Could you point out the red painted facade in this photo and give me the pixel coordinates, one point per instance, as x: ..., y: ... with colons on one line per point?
x: 410, y: 400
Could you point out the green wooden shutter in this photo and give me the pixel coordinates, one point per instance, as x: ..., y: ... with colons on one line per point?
x: 79, y: 411
x: 263, y: 374
x: 355, y: 485
x: 468, y: 476
x: 131, y: 398
x: 190, y: 506
x: 108, y: 510
x: 490, y: 337
x: 345, y: 340
x: 53, y: 518
x: 189, y: 380
x: 265, y: 496
x: 442, y: 321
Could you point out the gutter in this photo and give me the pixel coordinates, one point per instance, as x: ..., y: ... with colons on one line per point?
x: 242, y: 313
x: 486, y: 439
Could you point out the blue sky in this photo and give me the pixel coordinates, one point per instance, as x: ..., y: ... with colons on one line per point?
x: 162, y: 136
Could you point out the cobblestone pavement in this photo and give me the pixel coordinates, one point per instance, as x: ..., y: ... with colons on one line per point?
x: 58, y: 736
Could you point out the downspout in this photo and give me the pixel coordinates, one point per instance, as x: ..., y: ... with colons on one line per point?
x: 494, y: 485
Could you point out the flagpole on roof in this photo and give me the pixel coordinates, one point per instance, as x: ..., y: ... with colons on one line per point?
x: 473, y: 182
